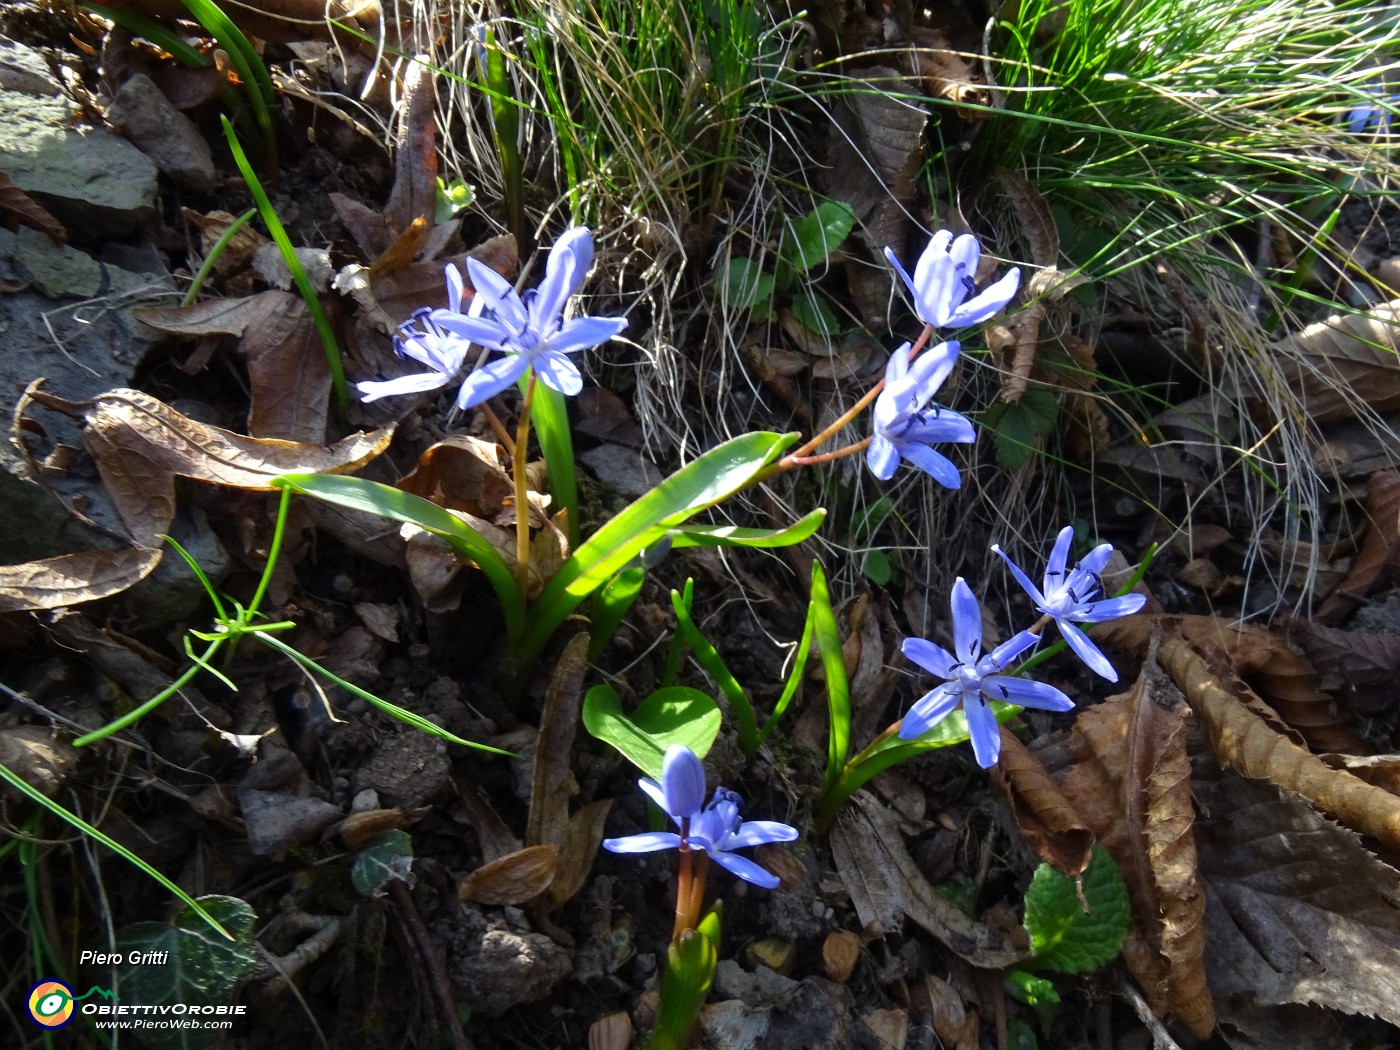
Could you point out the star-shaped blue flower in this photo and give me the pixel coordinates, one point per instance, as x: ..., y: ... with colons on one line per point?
x: 428, y: 343
x: 530, y: 329
x: 945, y: 275
x: 971, y: 681
x: 905, y: 425
x: 1069, y: 597
x: 716, y: 828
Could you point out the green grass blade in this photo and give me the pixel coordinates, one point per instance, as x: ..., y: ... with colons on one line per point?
x: 207, y: 267
x: 249, y: 65
x: 303, y: 283
x: 388, y: 502
x: 799, y: 665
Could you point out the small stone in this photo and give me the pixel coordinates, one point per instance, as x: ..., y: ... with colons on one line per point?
x: 24, y: 69
x: 776, y: 953
x: 840, y: 953
x: 733, y: 1025
x: 169, y: 138
x: 276, y: 822
x: 509, y: 969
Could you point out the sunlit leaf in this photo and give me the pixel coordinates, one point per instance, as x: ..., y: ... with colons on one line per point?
x: 673, y: 715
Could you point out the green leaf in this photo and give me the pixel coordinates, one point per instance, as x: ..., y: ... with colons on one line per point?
x: 799, y: 665
x: 610, y: 605
x: 388, y: 858
x: 1037, y: 993
x: 550, y: 416
x: 197, y: 968
x: 708, y: 657
x: 710, y: 479
x: 745, y: 285
x: 690, y: 968
x: 1063, y: 935
x: 814, y: 315
x: 876, y: 567
x: 739, y: 536
x: 1016, y: 427
x: 397, y: 505
x: 452, y: 197
x: 817, y: 234
x: 838, y: 691
x: 673, y: 715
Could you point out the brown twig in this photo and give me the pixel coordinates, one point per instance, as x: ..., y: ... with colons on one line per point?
x: 431, y: 956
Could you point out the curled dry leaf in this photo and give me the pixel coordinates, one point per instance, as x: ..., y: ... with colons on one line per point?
x: 288, y: 375
x: 513, y: 879
x: 1380, y: 549
x: 1344, y: 365
x: 1131, y: 781
x: 582, y: 839
x: 553, y: 781
x: 1044, y: 816
x: 948, y: 74
x: 463, y: 473
x: 21, y: 207
x: 886, y: 885
x: 1364, y: 666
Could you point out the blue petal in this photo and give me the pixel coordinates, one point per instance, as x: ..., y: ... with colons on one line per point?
x: 559, y: 373
x: 760, y: 833
x: 1087, y: 651
x: 932, y: 657
x: 1025, y: 581
x: 929, y: 710
x: 682, y: 782
x: 982, y: 728
x: 990, y: 302
x: 934, y: 279
x: 646, y: 842
x: 1110, y: 609
x: 947, y: 425
x: 1026, y: 693
x: 479, y: 330
x: 373, y: 390
x: 967, y: 623
x: 454, y: 288
x: 934, y: 464
x: 584, y: 333
x: 898, y: 365
x: 490, y: 379
x: 1055, y: 575
x: 931, y: 369
x: 881, y: 457
x: 498, y: 294
x: 903, y: 273
x: 1097, y: 559
x: 999, y: 659
x: 745, y: 869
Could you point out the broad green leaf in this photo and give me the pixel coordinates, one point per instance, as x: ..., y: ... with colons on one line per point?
x: 1066, y: 937
x: 838, y: 692
x: 387, y: 858
x: 817, y: 234
x: 708, y: 657
x: 746, y: 286
x: 814, y: 315
x: 711, y: 478
x: 672, y: 715
x: 876, y: 567
x: 739, y: 536
x: 186, y: 963
x: 1037, y: 993
x: 397, y: 505
x: 610, y: 605
x: 1017, y: 426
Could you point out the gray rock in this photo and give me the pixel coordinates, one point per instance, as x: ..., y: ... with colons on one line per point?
x: 406, y: 770
x: 145, y: 116
x: 276, y: 822
x: 24, y: 69
x: 95, y: 182
x: 509, y: 968
x: 627, y: 471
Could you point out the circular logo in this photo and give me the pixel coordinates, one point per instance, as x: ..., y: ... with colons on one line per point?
x: 51, y: 1004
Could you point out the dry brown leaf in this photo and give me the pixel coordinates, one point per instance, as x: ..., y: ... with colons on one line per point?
x: 463, y: 473
x: 1363, y: 666
x: 137, y: 422
x: 949, y: 74
x: 553, y: 781
x: 287, y: 371
x: 17, y: 204
x: 232, y: 265
x: 492, y: 833
x: 211, y: 317
x: 577, y: 852
x: 1243, y: 741
x: 1345, y: 364
x: 1299, y: 911
x: 1131, y: 781
x: 513, y: 879
x: 69, y: 579
x: 1380, y: 549
x: 1045, y: 818
x: 886, y: 886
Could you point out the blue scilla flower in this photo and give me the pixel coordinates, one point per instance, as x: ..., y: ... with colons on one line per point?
x: 945, y: 276
x: 1072, y: 596
x: 972, y: 679
x: 425, y: 341
x: 1374, y: 118
x: 715, y: 828
x: 530, y: 329
x: 905, y: 424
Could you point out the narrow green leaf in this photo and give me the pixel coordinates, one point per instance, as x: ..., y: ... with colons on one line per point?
x: 388, y: 502
x: 714, y: 665
x: 794, y: 681
x: 610, y: 605
x: 838, y: 693
x: 817, y: 234
x: 671, y: 715
x: 690, y: 968
x: 184, y: 964
x: 1066, y: 937
x: 745, y: 285
x: 549, y: 414
x: 387, y: 858
x: 739, y: 536
x: 711, y: 478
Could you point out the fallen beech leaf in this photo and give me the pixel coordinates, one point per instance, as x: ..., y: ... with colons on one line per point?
x: 553, y: 781
x: 1344, y: 364
x: 513, y: 879
x: 1131, y: 781
x: 1046, y: 819
x: 211, y: 317
x: 885, y: 886
x: 1243, y: 741
x: 287, y: 371
x: 463, y: 473
x: 1299, y: 911
x: 1380, y: 549
x: 24, y: 209
x: 1362, y: 666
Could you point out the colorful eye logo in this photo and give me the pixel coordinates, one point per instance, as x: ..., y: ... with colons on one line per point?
x: 51, y: 1004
